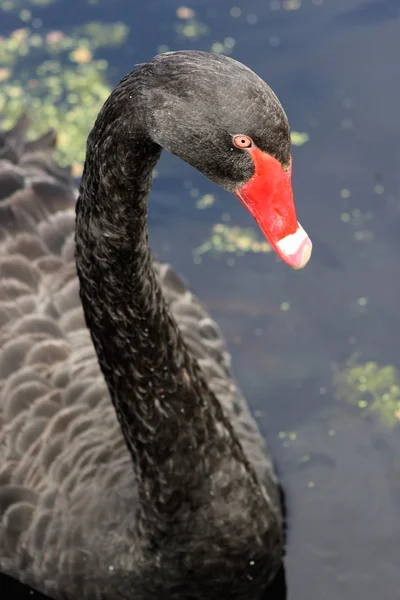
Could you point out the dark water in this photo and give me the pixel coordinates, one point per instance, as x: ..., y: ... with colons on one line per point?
x: 334, y: 65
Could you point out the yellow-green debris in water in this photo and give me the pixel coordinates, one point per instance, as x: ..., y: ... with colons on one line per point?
x: 373, y: 389
x: 205, y: 201
x: 11, y: 5
x: 191, y: 29
x: 59, y: 80
x: 239, y: 240
x: 298, y: 138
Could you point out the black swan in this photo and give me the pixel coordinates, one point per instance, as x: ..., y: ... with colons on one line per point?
x: 166, y: 491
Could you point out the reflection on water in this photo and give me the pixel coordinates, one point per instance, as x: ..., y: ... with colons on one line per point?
x: 315, y: 352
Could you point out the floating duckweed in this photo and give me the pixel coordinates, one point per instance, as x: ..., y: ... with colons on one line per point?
x: 344, y: 193
x: 73, y: 98
x: 183, y: 12
x: 373, y: 389
x: 298, y: 138
x: 364, y: 235
x: 5, y: 73
x: 55, y: 37
x: 235, y: 12
x: 41, y: 2
x: 36, y: 41
x: 233, y: 239
x: 102, y: 64
x: 379, y: 189
x: 205, y: 201
x: 18, y: 35
x: 25, y: 15
x: 68, y: 88
x: 291, y: 4
x: 285, y: 306
x: 358, y: 219
x: 76, y: 169
x: 303, y: 460
x: 192, y: 29
x: 11, y: 5
x: 362, y: 301
x: 224, y: 47
x: 14, y: 92
x: 217, y: 48
x: 229, y: 42
x: 7, y: 6
x: 81, y: 55
x: 103, y: 35
x: 289, y: 438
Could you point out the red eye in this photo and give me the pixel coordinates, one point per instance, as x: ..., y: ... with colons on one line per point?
x: 242, y: 141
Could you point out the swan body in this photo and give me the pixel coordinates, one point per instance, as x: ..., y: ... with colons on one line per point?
x: 130, y: 465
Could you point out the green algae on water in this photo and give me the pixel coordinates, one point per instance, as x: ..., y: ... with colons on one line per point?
x: 60, y: 80
x: 238, y: 240
x: 374, y: 390
x: 298, y: 138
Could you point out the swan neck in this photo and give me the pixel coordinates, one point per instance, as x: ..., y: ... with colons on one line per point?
x: 153, y: 382
x: 183, y: 447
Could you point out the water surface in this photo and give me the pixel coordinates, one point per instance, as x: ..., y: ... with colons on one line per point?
x: 334, y: 65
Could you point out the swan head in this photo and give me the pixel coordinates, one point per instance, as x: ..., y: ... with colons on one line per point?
x: 220, y: 117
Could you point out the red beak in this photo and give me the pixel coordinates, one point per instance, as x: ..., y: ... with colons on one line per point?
x: 268, y: 197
